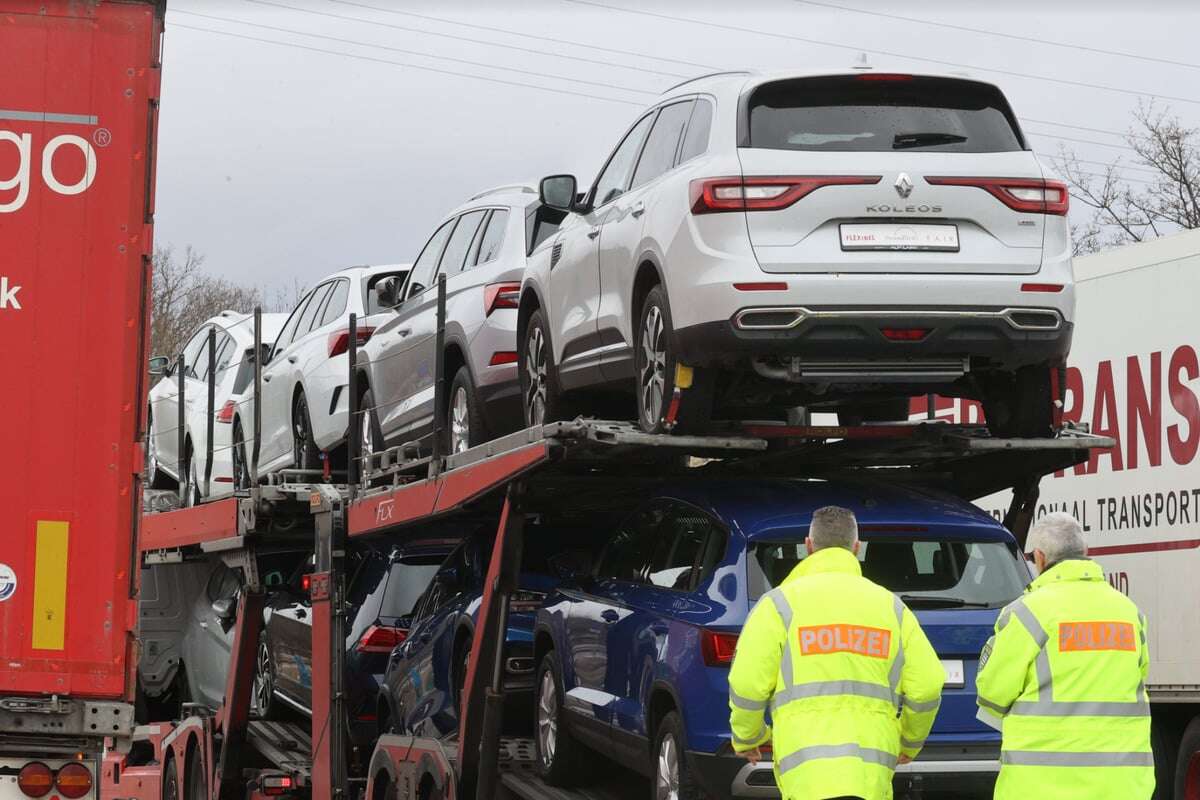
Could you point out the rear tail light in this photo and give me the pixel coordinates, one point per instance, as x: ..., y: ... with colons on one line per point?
x: 225, y: 415
x: 763, y: 193
x: 380, y: 639
x: 502, y: 357
x: 905, y: 334
x: 35, y: 779
x: 762, y: 286
x: 718, y: 648
x: 1028, y: 195
x: 1052, y: 288
x: 339, y: 341
x: 273, y: 785
x: 305, y: 583
x: 73, y: 781
x: 501, y: 295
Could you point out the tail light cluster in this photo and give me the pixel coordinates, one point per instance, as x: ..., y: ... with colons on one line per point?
x: 339, y: 341
x: 501, y: 295
x: 1029, y: 195
x: 763, y: 193
x: 380, y: 639
x: 72, y: 780
x: 525, y: 601
x: 718, y: 647
x: 275, y: 785
x: 225, y: 414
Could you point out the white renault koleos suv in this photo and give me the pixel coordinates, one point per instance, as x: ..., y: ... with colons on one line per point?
x: 836, y: 241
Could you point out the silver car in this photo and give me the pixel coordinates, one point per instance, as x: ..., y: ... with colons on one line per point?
x: 837, y: 241
x: 480, y: 248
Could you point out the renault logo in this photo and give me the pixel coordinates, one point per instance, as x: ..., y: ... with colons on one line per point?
x: 904, y: 185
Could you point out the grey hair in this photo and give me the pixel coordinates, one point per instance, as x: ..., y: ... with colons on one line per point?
x: 833, y: 526
x: 1059, y: 536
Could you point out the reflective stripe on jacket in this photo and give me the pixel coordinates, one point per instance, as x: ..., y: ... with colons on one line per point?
x: 847, y: 673
x: 1065, y: 672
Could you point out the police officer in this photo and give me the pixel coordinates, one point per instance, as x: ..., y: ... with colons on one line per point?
x: 1063, y: 679
x: 852, y: 683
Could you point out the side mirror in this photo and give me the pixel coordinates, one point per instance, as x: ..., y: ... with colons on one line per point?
x: 160, y: 365
x: 387, y: 292
x: 415, y: 289
x: 264, y: 353
x: 558, y: 191
x: 225, y: 608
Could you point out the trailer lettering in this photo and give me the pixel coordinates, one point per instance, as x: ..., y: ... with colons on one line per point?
x: 57, y: 182
x: 8, y: 294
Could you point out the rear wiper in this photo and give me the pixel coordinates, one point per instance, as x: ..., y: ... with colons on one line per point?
x: 905, y: 140
x: 950, y: 602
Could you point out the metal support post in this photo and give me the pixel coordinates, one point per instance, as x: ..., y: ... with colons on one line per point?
x: 354, y: 434
x: 1023, y: 507
x: 439, y: 381
x: 235, y: 712
x: 180, y: 428
x: 212, y: 401
x: 481, y: 715
x: 329, y: 637
x: 258, y: 362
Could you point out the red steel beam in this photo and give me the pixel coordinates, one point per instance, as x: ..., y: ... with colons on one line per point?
x: 207, y: 522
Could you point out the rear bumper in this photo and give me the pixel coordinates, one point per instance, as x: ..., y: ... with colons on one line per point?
x: 941, y: 768
x: 990, y: 337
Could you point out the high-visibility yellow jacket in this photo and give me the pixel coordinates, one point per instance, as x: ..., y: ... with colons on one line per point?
x: 1064, y: 672
x: 850, y: 679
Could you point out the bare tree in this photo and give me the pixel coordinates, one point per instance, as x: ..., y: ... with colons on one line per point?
x: 183, y: 297
x: 1167, y: 199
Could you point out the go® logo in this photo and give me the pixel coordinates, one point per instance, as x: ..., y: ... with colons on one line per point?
x: 14, y: 187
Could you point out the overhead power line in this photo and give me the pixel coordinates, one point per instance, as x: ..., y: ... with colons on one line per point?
x: 510, y: 32
x: 888, y: 53
x: 414, y: 52
x: 985, y: 32
x: 484, y: 42
x: 407, y: 65
x: 1081, y: 141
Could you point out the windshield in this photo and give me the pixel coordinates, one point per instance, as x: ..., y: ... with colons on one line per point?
x: 926, y: 573
x: 863, y: 113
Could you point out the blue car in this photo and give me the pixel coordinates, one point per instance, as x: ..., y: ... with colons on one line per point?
x: 633, y: 657
x: 422, y: 686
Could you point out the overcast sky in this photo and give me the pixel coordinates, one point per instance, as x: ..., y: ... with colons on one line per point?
x: 289, y: 161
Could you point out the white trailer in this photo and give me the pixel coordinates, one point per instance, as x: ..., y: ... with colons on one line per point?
x: 1134, y: 375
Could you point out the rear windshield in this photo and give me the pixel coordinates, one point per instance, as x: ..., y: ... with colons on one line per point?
x: 864, y: 113
x: 925, y: 572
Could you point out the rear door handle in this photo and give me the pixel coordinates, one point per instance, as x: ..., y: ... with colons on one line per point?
x: 639, y: 209
x: 266, y: 378
x: 402, y: 332
x: 594, y: 232
x: 292, y: 359
x: 608, y: 615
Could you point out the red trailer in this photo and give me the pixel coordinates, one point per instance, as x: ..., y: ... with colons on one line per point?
x: 78, y: 115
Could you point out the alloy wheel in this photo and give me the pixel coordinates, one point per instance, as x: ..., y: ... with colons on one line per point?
x: 535, y: 369
x: 666, y: 773
x: 547, y: 725
x: 367, y: 436
x: 241, y: 474
x: 300, y: 433
x: 652, y: 367
x: 151, y: 454
x: 460, y: 424
x: 264, y: 689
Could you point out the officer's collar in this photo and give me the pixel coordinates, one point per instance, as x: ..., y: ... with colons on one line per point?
x: 1069, y: 569
x: 831, y: 559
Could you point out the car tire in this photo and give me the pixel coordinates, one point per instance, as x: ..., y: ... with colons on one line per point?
x: 669, y: 765
x: 189, y: 492
x: 654, y: 373
x: 541, y: 395
x: 305, y: 454
x: 557, y: 754
x: 241, y: 467
x: 1020, y: 404
x: 266, y: 705
x: 154, y: 477
x: 891, y: 410
x: 370, y: 434
x: 465, y: 423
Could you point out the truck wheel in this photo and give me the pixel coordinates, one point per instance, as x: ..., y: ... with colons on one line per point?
x: 465, y: 425
x: 170, y: 784
x: 196, y: 788
x: 1187, y: 764
x: 1019, y: 404
x: 541, y: 396
x: 558, y: 754
x: 672, y: 773
x: 654, y: 361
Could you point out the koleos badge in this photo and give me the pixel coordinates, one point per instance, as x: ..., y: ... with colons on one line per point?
x: 904, y: 185
x: 8, y: 582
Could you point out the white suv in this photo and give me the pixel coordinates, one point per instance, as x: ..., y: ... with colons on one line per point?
x: 837, y: 241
